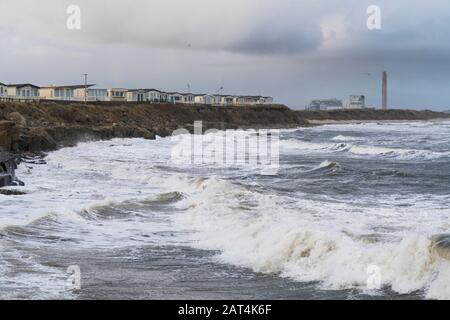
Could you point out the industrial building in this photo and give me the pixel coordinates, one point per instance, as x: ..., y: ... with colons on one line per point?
x: 353, y: 102
x: 325, y: 104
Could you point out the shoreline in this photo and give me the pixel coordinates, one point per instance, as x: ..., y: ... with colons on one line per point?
x: 327, y: 122
x: 36, y: 128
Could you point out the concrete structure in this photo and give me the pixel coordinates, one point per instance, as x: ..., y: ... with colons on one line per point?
x: 325, y: 104
x: 356, y: 102
x: 384, y: 91
x: 3, y: 90
x: 117, y: 94
x: 23, y: 91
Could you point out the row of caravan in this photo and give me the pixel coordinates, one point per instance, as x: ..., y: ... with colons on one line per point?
x: 28, y: 91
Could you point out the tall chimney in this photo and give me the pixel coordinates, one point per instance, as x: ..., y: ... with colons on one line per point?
x: 384, y: 91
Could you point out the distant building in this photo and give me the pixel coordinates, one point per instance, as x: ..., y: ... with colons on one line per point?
x: 325, y: 104
x: 224, y: 100
x: 147, y: 95
x: 138, y: 95
x: 265, y: 100
x: 253, y: 100
x: 74, y: 93
x: 356, y: 102
x: 175, y: 97
x: 246, y: 100
x: 66, y: 93
x: 3, y: 90
x: 93, y: 94
x: 87, y: 92
x: 23, y: 91
x: 154, y: 95
x: 117, y: 94
x: 163, y: 97
x: 188, y: 98
x: 204, y: 99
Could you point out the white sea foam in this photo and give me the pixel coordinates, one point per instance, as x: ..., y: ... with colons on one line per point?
x: 325, y: 240
x: 294, y: 243
x: 292, y: 145
x: 342, y: 138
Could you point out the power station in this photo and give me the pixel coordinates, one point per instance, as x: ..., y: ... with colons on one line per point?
x: 384, y: 90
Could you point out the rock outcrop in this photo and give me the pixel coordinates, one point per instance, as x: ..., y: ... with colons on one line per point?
x: 9, y: 135
x: 46, y: 126
x: 7, y: 167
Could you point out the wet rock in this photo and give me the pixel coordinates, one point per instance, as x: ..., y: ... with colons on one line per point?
x: 7, y: 170
x: 7, y: 192
x: 35, y: 140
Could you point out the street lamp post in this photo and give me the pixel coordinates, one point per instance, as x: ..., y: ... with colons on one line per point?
x: 85, y: 87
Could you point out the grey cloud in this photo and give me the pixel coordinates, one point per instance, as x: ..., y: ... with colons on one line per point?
x: 295, y: 50
x: 273, y: 42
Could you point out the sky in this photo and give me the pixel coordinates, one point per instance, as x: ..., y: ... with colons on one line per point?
x: 293, y: 50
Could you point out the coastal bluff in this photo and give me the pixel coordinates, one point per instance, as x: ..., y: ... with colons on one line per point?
x: 45, y: 126
x: 40, y: 127
x: 32, y: 128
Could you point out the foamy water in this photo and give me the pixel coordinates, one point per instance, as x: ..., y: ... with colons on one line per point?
x: 346, y: 198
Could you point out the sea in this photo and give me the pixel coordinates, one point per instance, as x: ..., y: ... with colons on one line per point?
x: 353, y: 211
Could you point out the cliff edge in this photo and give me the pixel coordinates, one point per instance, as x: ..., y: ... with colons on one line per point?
x: 28, y: 127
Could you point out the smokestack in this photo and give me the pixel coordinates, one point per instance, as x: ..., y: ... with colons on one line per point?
x: 384, y: 91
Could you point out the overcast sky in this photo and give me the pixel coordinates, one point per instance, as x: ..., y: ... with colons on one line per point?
x: 293, y: 50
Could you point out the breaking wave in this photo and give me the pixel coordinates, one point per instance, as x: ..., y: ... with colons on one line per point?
x: 271, y: 239
x: 361, y: 150
x: 342, y: 138
x: 304, y: 224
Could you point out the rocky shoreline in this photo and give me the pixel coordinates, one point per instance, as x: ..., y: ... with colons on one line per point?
x: 8, y: 164
x: 33, y: 128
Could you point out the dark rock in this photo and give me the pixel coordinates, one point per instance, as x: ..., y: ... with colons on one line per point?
x: 9, y: 135
x: 11, y: 192
x: 7, y: 170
